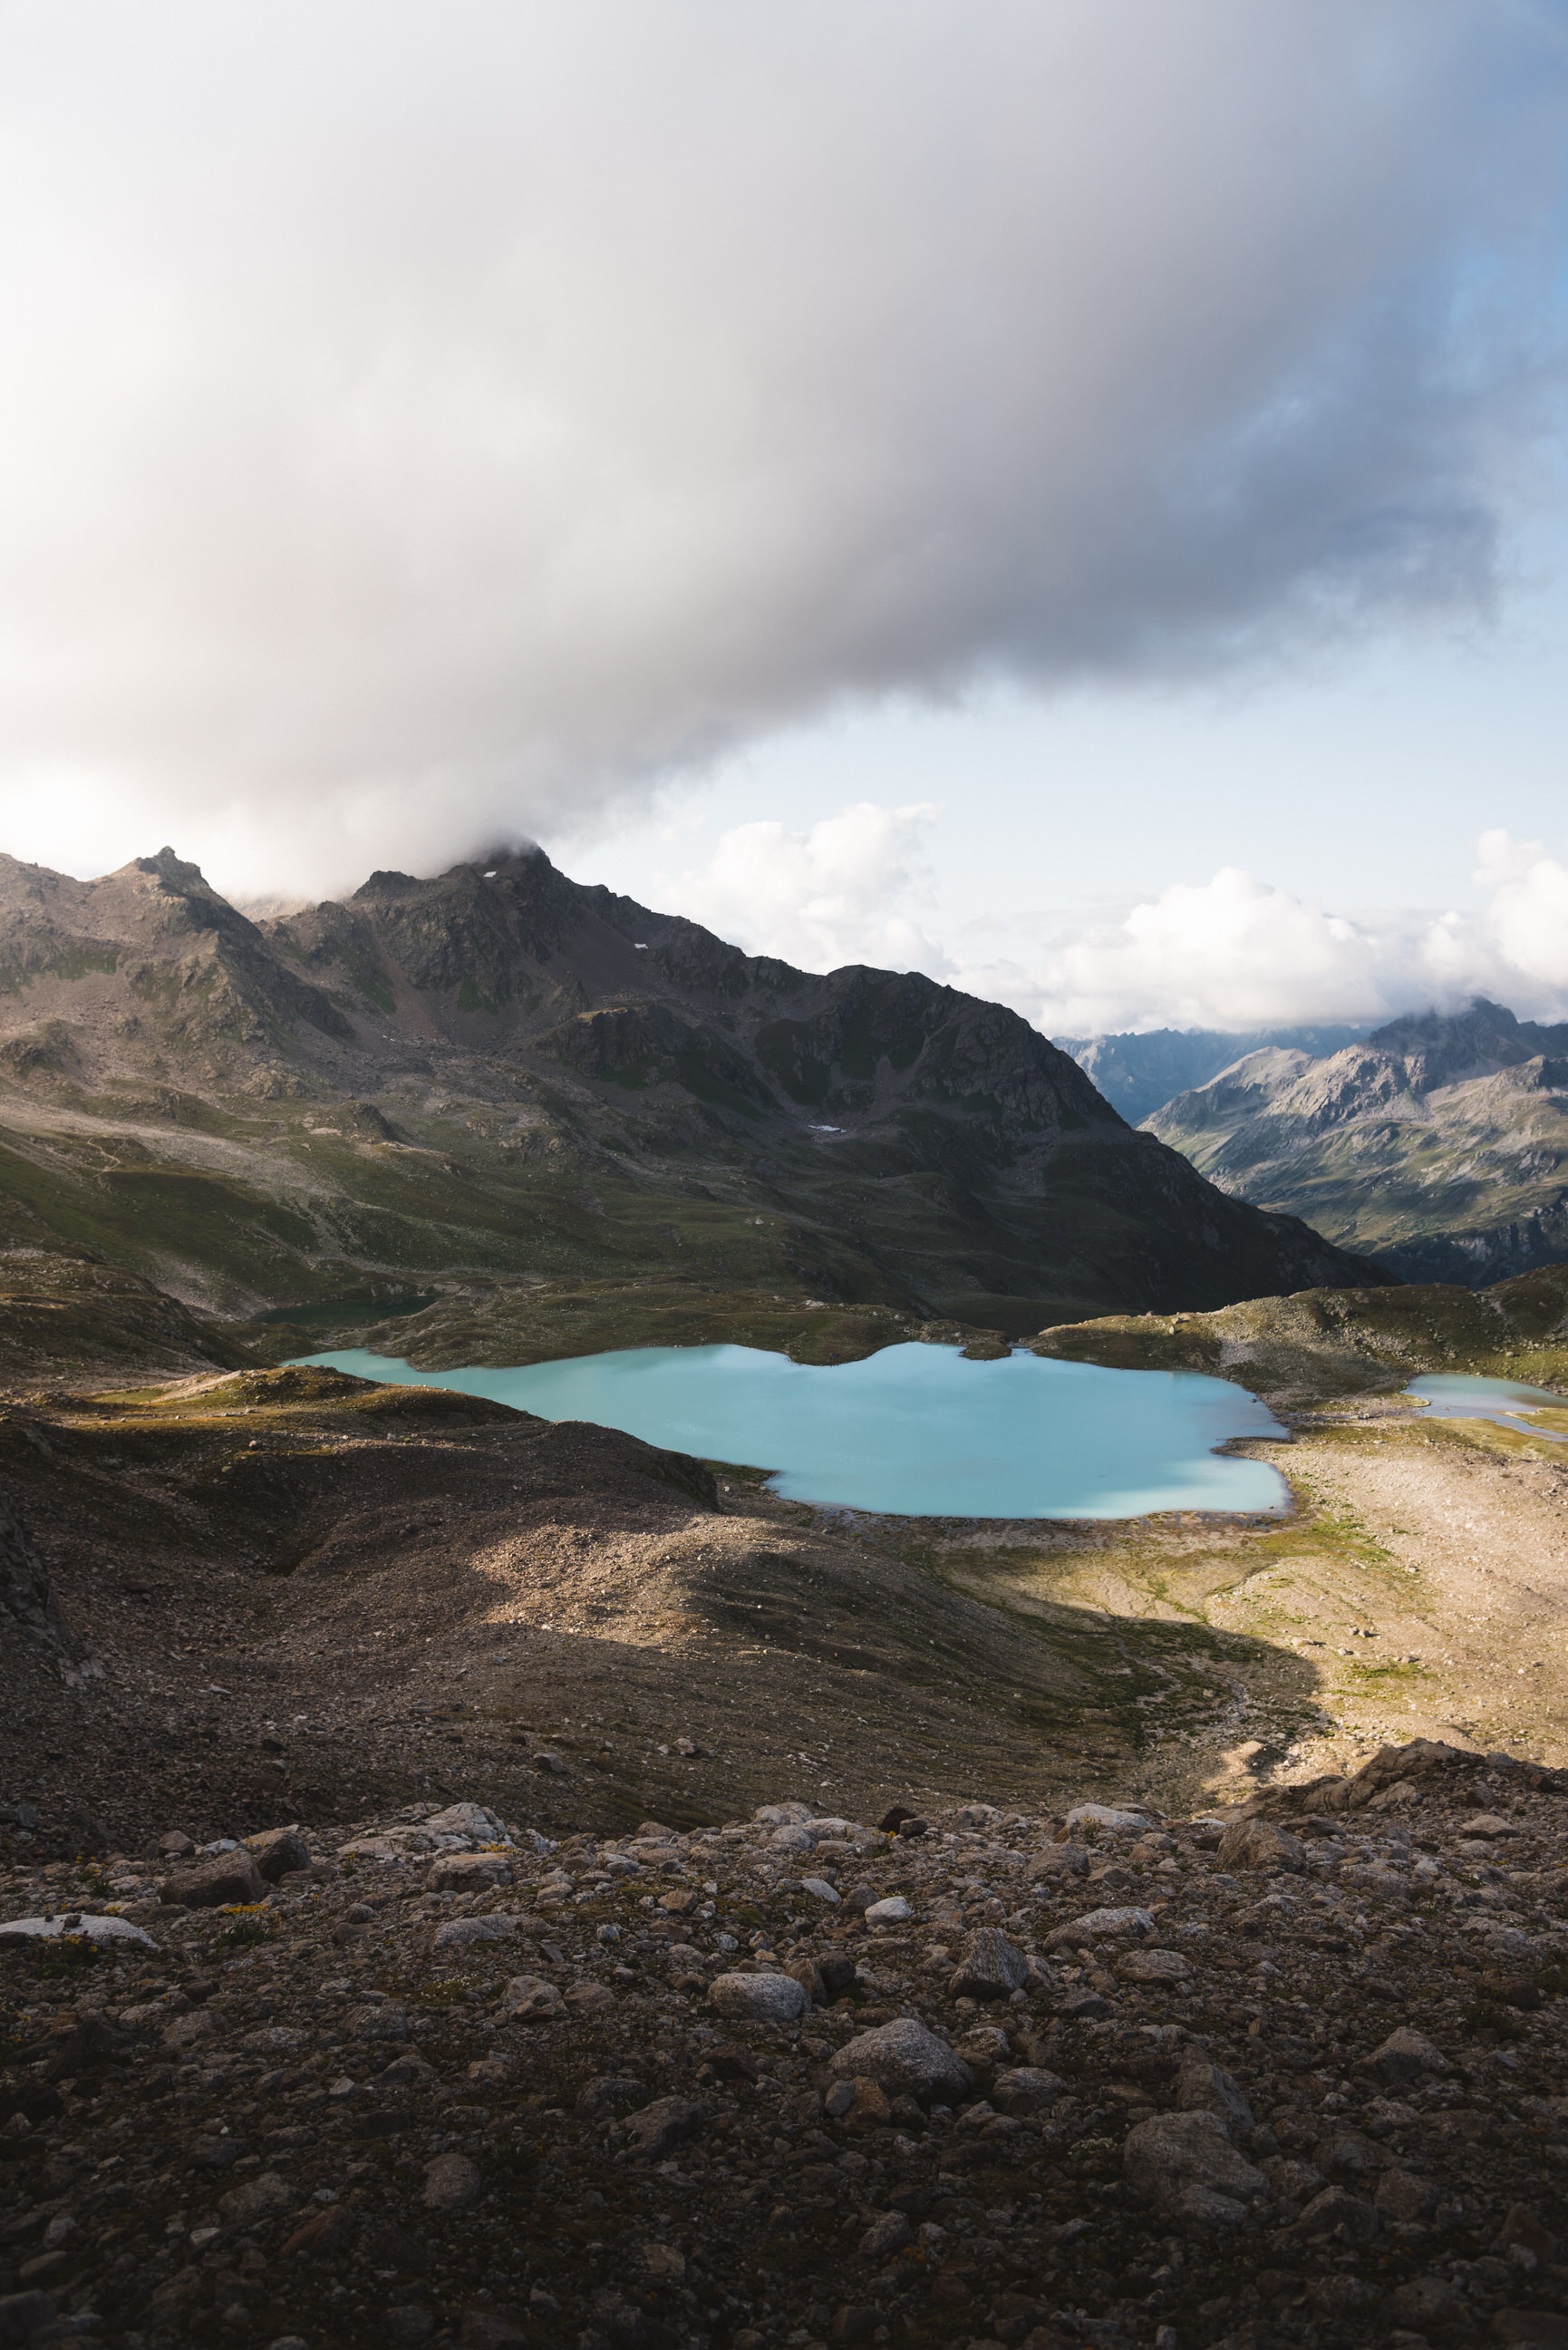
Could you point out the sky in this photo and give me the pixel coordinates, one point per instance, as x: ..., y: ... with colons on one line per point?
x: 1069, y: 498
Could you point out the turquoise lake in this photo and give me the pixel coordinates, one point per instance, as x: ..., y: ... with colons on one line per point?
x: 914, y: 1430
x: 1453, y: 1397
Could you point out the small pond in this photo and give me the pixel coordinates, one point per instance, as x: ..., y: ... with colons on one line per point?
x: 332, y: 1313
x: 1506, y: 1401
x: 915, y: 1430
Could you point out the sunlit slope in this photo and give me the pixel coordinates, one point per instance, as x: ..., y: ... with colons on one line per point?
x: 1341, y: 1342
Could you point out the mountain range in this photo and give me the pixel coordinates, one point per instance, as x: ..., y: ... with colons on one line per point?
x: 538, y: 1117
x: 1140, y: 1074
x: 1438, y: 1144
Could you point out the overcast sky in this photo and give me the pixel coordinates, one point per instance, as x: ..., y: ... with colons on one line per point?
x: 1064, y: 494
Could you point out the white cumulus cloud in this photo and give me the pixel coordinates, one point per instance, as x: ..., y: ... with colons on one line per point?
x: 1234, y: 953
x: 1529, y: 908
x: 821, y: 898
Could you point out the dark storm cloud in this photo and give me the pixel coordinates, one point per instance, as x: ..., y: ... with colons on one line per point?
x: 420, y: 423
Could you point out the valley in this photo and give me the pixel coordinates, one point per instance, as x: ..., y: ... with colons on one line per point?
x: 487, y: 1120
x: 298, y: 1619
x: 295, y: 1594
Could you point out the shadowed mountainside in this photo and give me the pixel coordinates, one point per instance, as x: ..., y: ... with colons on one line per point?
x: 501, y: 1080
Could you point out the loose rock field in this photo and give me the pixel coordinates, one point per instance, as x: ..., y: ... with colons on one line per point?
x: 1292, y: 2076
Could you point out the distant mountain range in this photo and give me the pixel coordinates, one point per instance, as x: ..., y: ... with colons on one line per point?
x: 1438, y: 1144
x: 1138, y: 1075
x: 545, y: 1101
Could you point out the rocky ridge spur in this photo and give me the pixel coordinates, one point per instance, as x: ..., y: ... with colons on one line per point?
x: 1289, y: 2077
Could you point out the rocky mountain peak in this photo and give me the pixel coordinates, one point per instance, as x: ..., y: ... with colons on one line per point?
x: 552, y: 1074
x: 1440, y: 1142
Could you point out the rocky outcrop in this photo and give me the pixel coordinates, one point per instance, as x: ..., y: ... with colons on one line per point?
x: 29, y: 1609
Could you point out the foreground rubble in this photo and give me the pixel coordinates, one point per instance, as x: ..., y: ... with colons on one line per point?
x: 1293, y: 2076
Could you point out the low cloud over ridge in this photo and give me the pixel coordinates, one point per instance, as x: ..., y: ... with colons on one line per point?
x: 423, y: 424
x: 1233, y: 953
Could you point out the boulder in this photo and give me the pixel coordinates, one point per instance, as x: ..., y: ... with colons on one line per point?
x: 274, y: 2040
x: 888, y: 2233
x: 189, y: 2031
x: 658, y: 2265
x: 857, y: 2104
x: 379, y: 2019
x: 984, y: 2049
x: 23, y: 2314
x: 277, y: 1852
x: 491, y: 2329
x: 759, y: 1998
x: 1337, y: 2213
x: 1406, y: 2056
x: 1098, y: 1925
x: 1405, y: 2197
x: 468, y: 1872
x: 905, y: 2059
x: 1152, y: 1967
x: 1425, y: 2301
x: 657, y: 2129
x: 782, y: 1815
x: 806, y: 1972
x: 1107, y: 1819
x: 1258, y: 1843
x: 1026, y: 2089
x: 224, y: 1880
x: 1532, y: 2329
x: 90, y: 2042
x: 324, y: 2236
x: 1059, y: 1860
x: 528, y: 1998
x: 892, y: 1912
x: 242, y: 2206
x: 609, y: 2095
x: 1204, y: 2087
x: 1185, y: 2164
x: 468, y: 1820
x: 456, y: 1933
x: 452, y: 2183
x: 84, y: 1924
x: 989, y: 1967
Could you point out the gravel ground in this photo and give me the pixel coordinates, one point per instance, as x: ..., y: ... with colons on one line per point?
x: 1293, y: 2078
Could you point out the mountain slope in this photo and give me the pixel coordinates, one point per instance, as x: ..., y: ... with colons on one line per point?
x: 503, y: 1086
x: 1140, y: 1074
x: 1440, y: 1144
